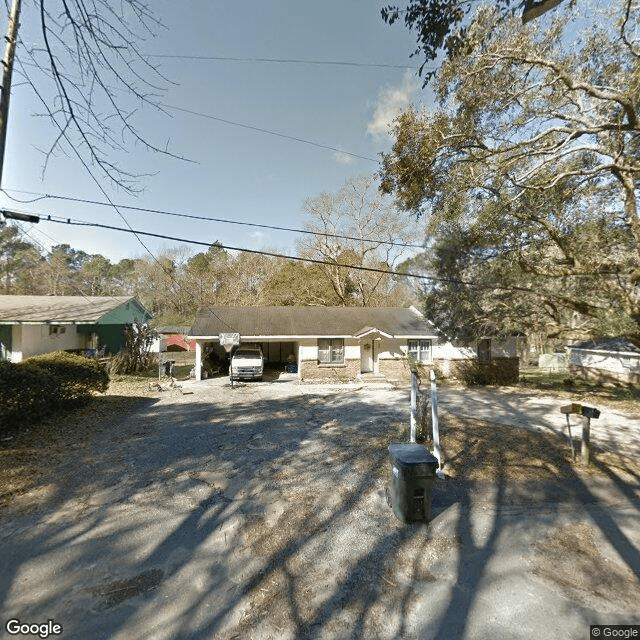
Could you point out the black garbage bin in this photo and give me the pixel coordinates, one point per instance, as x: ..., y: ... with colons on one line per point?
x: 413, y: 470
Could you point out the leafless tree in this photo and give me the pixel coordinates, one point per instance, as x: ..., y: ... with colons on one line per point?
x: 83, y: 60
x: 359, y: 227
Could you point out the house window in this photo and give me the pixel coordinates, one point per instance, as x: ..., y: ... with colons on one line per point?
x: 419, y: 350
x: 484, y: 350
x: 56, y: 329
x: 330, y: 350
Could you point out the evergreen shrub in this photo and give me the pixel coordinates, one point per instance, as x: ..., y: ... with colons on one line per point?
x: 76, y: 376
x: 27, y: 393
x: 39, y: 386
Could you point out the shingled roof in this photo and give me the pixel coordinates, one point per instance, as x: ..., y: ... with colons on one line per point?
x: 310, y: 321
x: 621, y: 343
x: 60, y: 309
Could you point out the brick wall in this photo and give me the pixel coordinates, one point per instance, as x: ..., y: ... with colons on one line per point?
x: 311, y: 370
x: 395, y: 369
x: 499, y: 371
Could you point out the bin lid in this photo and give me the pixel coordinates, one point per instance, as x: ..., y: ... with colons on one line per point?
x: 411, y: 453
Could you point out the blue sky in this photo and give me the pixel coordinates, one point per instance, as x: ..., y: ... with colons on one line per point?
x: 236, y: 173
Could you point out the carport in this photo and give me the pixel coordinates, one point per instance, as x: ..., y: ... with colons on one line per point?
x: 276, y: 352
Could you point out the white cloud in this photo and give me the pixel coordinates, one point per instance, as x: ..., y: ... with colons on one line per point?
x: 342, y: 157
x: 391, y: 102
x: 257, y: 239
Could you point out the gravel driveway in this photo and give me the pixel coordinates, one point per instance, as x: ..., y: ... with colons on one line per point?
x: 259, y: 512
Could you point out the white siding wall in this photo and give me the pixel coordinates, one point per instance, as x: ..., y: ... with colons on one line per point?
x: 619, y: 363
x: 447, y: 351
x: 391, y: 349
x: 34, y: 339
x: 16, y: 343
x: 159, y: 345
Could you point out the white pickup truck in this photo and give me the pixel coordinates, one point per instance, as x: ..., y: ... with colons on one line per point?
x: 247, y: 363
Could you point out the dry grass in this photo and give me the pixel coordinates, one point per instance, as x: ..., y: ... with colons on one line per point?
x: 27, y: 456
x: 474, y: 449
x: 479, y: 450
x: 623, y: 397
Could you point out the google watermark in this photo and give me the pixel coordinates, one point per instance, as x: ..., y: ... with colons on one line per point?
x: 46, y: 629
x: 626, y: 631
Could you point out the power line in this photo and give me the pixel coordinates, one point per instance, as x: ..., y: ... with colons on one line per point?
x: 272, y: 254
x: 44, y: 196
x: 161, y: 105
x: 261, y: 130
x: 336, y: 63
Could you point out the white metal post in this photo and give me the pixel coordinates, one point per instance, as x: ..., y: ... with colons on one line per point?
x: 437, y: 451
x: 414, y: 404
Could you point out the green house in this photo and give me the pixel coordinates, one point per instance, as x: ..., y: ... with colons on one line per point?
x: 30, y: 325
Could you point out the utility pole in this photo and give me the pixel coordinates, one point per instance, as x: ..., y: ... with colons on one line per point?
x: 7, y: 72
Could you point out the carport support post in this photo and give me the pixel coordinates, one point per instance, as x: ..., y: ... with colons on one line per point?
x: 586, y: 435
x: 198, y: 360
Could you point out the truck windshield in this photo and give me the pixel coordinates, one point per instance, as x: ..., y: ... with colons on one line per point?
x: 246, y: 354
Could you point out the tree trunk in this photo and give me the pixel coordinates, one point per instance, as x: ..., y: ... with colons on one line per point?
x: 7, y: 63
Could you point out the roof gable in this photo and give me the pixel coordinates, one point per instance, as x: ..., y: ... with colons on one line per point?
x: 620, y: 343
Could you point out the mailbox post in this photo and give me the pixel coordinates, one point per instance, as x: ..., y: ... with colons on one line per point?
x: 586, y: 413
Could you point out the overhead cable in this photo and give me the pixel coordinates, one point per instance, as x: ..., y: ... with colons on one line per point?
x: 163, y: 212
x: 80, y: 223
x: 335, y: 63
x: 261, y: 130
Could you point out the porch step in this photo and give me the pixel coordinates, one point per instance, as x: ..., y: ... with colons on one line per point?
x: 372, y: 378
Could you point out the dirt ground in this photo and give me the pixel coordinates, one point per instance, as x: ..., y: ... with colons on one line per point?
x: 260, y: 512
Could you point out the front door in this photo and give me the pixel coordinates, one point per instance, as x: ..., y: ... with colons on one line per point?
x: 367, y: 356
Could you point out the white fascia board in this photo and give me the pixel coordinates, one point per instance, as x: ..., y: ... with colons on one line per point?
x: 289, y: 338
x: 418, y: 336
x: 46, y: 322
x: 368, y: 333
x: 268, y: 338
x: 607, y: 352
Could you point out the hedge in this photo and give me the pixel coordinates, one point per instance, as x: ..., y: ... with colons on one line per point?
x: 41, y: 385
x: 26, y: 393
x: 76, y: 376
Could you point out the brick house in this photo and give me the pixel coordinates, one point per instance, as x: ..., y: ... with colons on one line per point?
x: 324, y: 343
